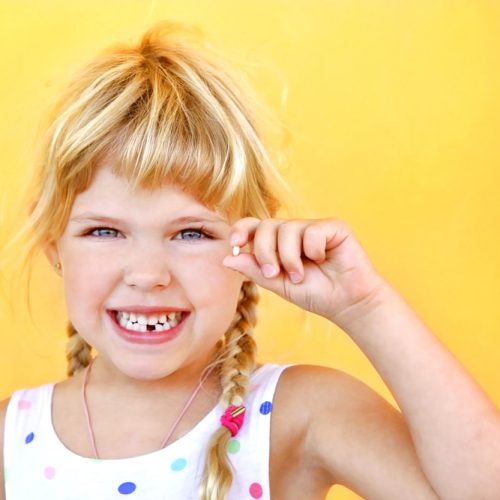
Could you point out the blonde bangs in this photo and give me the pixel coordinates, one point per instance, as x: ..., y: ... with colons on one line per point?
x: 161, y: 113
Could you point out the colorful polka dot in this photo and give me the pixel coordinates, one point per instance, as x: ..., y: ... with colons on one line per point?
x: 96, y: 460
x: 29, y: 438
x: 266, y: 407
x: 24, y: 404
x: 255, y: 490
x: 126, y: 488
x: 178, y: 464
x: 233, y: 446
x: 49, y: 472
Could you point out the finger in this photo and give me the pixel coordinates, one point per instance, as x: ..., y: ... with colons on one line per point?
x: 314, y: 241
x: 243, y: 230
x: 247, y: 265
x: 265, y: 247
x: 290, y: 235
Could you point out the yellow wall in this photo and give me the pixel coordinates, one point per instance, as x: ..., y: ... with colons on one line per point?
x: 393, y: 110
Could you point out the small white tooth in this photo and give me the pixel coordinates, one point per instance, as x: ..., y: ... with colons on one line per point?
x: 136, y: 327
x: 153, y: 320
x: 130, y: 325
x: 166, y: 326
x: 171, y: 315
x: 163, y: 318
x: 173, y: 322
x: 143, y: 328
x: 142, y: 320
x: 125, y: 314
x: 123, y: 321
x: 158, y: 328
x: 133, y: 317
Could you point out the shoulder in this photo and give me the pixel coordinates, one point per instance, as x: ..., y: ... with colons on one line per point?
x: 348, y: 434
x: 3, y: 411
x: 312, y: 387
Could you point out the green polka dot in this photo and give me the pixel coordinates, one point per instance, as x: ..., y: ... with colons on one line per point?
x: 96, y: 460
x: 233, y: 446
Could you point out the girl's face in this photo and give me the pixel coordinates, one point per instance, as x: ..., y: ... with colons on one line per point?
x: 147, y: 256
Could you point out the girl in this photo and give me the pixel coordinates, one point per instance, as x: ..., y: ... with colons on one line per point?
x: 156, y: 203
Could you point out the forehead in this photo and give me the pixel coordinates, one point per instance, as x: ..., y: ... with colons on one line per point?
x: 111, y: 193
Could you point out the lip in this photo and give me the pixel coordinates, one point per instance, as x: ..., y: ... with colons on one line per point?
x: 145, y: 337
x: 148, y: 309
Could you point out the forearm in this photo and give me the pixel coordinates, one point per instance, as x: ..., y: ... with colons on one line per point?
x: 454, y: 426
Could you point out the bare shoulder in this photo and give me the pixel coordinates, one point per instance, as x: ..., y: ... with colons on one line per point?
x: 3, y: 411
x: 350, y: 435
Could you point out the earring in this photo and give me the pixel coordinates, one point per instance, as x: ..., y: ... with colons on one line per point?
x: 58, y: 266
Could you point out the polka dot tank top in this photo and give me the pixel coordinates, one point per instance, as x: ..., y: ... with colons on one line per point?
x: 38, y: 466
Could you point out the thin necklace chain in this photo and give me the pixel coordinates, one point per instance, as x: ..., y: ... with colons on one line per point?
x: 172, y: 428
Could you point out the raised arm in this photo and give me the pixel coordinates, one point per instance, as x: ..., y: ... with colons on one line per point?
x: 454, y: 426
x: 320, y: 266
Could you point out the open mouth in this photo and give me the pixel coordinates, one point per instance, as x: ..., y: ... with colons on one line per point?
x: 154, y: 323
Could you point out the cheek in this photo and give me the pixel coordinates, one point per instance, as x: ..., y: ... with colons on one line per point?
x: 210, y: 284
x: 85, y: 285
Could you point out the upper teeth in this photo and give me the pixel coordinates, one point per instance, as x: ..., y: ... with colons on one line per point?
x: 138, y: 322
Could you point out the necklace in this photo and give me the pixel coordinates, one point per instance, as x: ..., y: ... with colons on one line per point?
x: 169, y: 433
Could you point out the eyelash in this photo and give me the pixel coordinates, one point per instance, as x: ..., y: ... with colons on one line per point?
x: 200, y: 230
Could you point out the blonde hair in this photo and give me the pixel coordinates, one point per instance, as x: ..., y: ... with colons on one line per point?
x: 163, y: 110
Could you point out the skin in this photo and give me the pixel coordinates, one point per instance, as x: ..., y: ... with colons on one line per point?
x: 327, y: 427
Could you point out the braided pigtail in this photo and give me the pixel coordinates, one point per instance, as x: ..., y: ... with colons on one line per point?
x: 238, y: 363
x: 77, y: 351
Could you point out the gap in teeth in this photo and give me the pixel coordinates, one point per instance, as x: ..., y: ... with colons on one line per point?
x: 140, y: 322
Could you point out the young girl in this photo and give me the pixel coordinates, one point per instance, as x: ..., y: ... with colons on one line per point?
x: 155, y: 201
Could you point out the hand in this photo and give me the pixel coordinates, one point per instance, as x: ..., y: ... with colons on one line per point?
x: 316, y: 264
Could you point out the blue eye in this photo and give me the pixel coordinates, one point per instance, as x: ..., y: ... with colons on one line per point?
x: 198, y: 234
x: 90, y: 233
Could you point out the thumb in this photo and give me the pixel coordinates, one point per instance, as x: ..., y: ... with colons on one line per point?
x: 246, y: 264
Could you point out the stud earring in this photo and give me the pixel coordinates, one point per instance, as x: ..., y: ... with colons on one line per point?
x: 58, y: 266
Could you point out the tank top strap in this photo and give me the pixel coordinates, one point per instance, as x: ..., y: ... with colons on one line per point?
x: 249, y: 450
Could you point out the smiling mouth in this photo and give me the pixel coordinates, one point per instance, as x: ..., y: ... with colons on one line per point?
x: 152, y: 323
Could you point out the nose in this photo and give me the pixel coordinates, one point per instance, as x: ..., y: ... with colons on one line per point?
x: 148, y: 269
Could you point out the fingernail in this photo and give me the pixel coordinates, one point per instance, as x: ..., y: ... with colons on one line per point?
x: 233, y: 239
x: 295, y: 277
x: 268, y: 270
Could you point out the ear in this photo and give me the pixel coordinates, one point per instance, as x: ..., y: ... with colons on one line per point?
x: 51, y: 252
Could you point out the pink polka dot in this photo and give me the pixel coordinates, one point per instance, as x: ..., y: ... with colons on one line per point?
x: 254, y: 387
x: 49, y: 472
x: 24, y: 404
x: 255, y: 490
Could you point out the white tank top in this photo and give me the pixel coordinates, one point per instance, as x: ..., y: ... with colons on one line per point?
x: 39, y: 466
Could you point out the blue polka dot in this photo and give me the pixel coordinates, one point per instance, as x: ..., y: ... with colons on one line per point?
x: 266, y: 407
x: 178, y: 464
x: 126, y: 488
x: 29, y: 438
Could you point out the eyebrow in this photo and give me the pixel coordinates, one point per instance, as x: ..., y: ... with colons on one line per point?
x: 90, y: 217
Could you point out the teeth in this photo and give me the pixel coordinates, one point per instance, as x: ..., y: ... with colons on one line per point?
x: 153, y: 320
x: 139, y: 322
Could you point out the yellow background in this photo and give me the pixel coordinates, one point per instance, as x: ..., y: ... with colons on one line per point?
x: 393, y: 113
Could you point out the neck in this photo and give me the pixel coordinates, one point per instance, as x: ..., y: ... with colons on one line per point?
x: 106, y: 377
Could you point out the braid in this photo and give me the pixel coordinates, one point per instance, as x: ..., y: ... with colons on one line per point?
x: 237, y: 365
x: 77, y: 351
